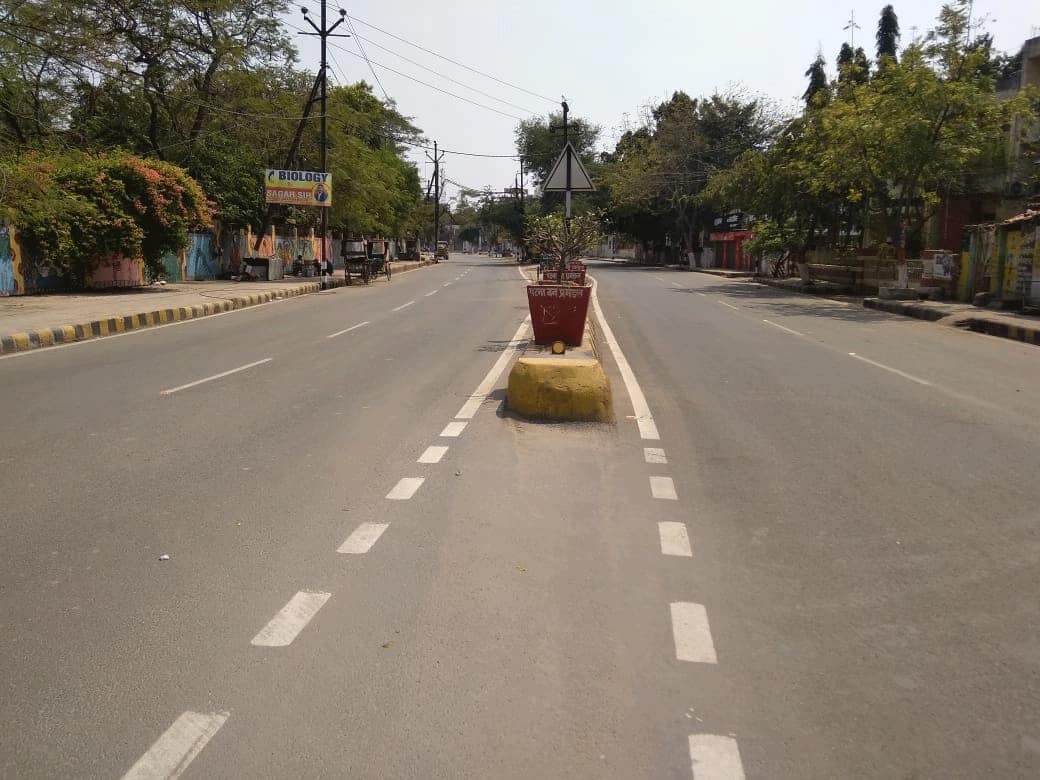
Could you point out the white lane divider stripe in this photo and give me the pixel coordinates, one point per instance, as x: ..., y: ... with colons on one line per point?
x: 663, y: 487
x: 728, y: 304
x: 291, y: 619
x: 654, y: 455
x: 640, y: 408
x: 674, y: 539
x: 703, y: 295
x: 403, y: 306
x: 170, y: 755
x: 692, y: 633
x: 491, y: 378
x: 453, y: 429
x: 676, y: 284
x: 431, y: 292
x: 433, y: 454
x: 364, y: 536
x: 347, y: 330
x: 895, y: 371
x: 715, y: 758
x: 221, y: 375
x: 782, y: 327
x: 405, y: 488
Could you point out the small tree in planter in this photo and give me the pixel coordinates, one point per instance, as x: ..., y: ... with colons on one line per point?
x: 551, y: 235
x: 558, y: 310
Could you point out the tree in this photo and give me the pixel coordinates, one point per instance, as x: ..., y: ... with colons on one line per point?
x: 551, y: 235
x: 657, y: 174
x: 887, y: 35
x: 817, y: 75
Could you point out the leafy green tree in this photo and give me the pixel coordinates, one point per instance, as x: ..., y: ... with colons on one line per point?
x: 887, y: 35
x: 817, y: 75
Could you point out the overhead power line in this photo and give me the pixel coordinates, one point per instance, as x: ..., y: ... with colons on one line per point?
x: 364, y: 54
x: 443, y: 76
x: 456, y: 62
x: 462, y: 154
x: 432, y: 86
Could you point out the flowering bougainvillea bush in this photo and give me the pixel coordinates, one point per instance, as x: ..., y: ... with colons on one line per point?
x: 76, y: 211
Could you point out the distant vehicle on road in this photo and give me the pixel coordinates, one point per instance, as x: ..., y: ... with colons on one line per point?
x: 442, y: 251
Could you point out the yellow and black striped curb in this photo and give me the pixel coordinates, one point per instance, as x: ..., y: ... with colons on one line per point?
x: 66, y: 334
x: 998, y: 328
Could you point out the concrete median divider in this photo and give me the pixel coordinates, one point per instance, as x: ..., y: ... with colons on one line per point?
x: 568, y: 387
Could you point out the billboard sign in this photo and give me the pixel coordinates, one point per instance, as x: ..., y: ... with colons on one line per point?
x: 298, y: 188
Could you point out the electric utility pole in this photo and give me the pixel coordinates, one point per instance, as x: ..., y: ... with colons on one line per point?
x: 436, y: 160
x: 324, y: 32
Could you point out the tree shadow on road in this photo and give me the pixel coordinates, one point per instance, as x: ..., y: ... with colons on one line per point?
x: 784, y: 303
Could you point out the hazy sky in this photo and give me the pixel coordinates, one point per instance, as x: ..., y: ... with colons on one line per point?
x: 609, y: 58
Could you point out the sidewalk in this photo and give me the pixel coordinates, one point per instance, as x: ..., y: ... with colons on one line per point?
x: 1008, y: 325
x: 32, y: 321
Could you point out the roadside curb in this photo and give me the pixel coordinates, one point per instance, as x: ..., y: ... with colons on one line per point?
x: 989, y: 327
x: 817, y: 289
x: 723, y: 273
x: 85, y: 331
x: 907, y: 309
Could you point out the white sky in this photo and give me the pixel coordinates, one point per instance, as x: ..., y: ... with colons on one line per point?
x: 609, y: 58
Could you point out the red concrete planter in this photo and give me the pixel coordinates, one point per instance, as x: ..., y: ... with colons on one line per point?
x: 567, y: 276
x: 558, y: 312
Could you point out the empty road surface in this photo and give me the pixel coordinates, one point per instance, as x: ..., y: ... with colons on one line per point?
x: 307, y: 539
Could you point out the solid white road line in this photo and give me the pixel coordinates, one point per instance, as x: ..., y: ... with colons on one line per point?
x: 728, y: 304
x: 221, y: 375
x: 663, y: 487
x: 782, y: 327
x: 895, y: 371
x: 433, y: 454
x: 453, y: 429
x: 403, y: 306
x: 405, y: 488
x: 291, y: 619
x: 674, y: 539
x: 491, y: 378
x: 641, y: 410
x: 692, y: 633
x: 431, y: 292
x: 654, y: 455
x: 715, y: 758
x: 364, y: 536
x: 347, y: 330
x: 170, y: 755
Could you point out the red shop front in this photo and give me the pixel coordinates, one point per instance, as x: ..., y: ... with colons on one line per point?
x: 729, y: 249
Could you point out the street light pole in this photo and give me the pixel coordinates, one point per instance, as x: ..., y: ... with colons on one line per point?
x: 324, y: 32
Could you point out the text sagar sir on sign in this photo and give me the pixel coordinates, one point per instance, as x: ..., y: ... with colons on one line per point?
x: 298, y: 188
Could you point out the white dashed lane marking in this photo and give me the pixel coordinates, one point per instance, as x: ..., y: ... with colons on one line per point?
x: 405, y: 488
x: 432, y: 292
x: 170, y: 755
x: 654, y: 455
x: 403, y: 306
x: 675, y: 540
x: 676, y: 284
x: 221, y: 375
x: 663, y: 487
x: 453, y: 429
x: 895, y: 371
x: 692, y: 633
x: 291, y: 619
x: 783, y: 327
x: 347, y: 330
x: 364, y: 536
x: 446, y: 284
x: 728, y: 304
x: 715, y: 758
x: 433, y: 454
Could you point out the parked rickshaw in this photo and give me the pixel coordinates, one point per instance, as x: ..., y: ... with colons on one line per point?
x: 377, y: 259
x: 355, y: 259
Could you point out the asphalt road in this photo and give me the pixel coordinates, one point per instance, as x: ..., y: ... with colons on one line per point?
x: 374, y: 573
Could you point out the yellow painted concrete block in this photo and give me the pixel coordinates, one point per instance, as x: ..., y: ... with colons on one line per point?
x: 560, y: 388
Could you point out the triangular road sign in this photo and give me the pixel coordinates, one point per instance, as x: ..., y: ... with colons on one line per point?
x: 557, y: 179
